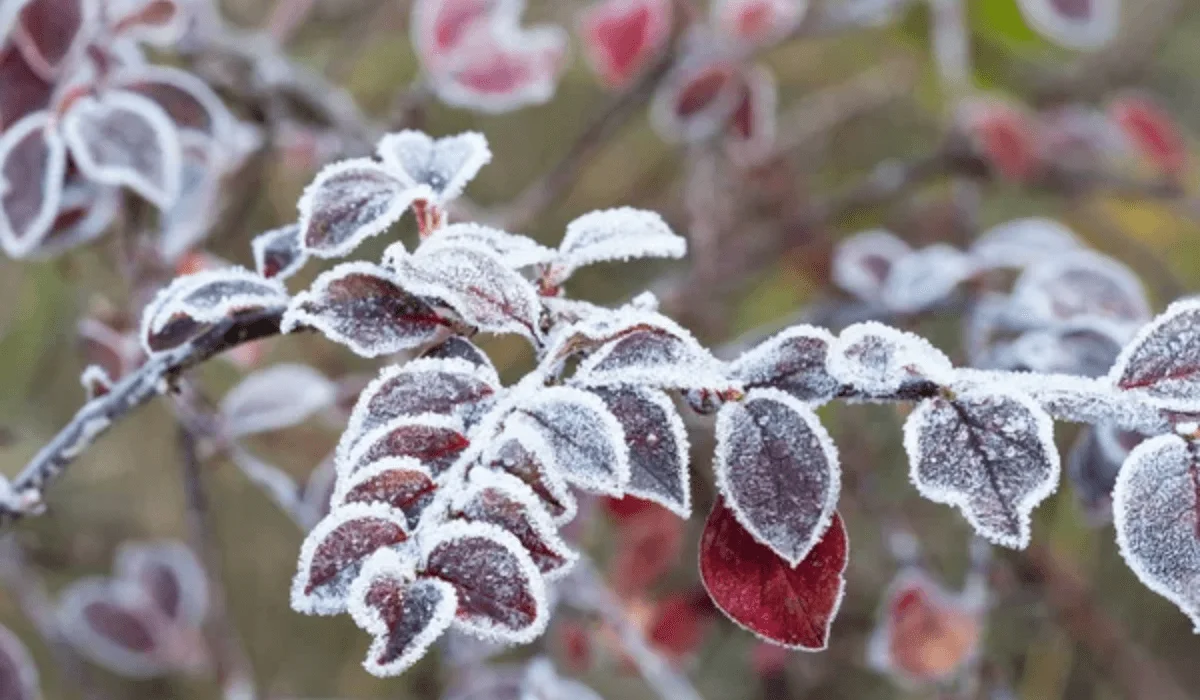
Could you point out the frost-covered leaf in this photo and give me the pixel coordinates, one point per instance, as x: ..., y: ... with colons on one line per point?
x: 404, y: 616
x: 33, y: 163
x: 171, y: 576
x: 399, y: 482
x: 95, y: 381
x: 126, y: 140
x: 1163, y: 361
x: 586, y: 440
x: 22, y: 90
x: 364, y: 307
x: 1152, y: 132
x: 924, y: 277
x: 349, y: 202
x: 862, y: 263
x: 790, y: 606
x: 186, y: 99
x: 476, y: 284
x: 757, y: 21
x: 924, y: 633
x: 1092, y: 467
x: 503, y: 68
x: 778, y: 471
x: 334, y: 551
x: 436, y: 441
x: 444, y: 165
x: 1085, y: 349
x: 649, y: 349
x: 1081, y: 283
x: 752, y: 129
x: 792, y: 361
x: 278, y: 253
x: 441, y: 27
x: 513, y: 250
x: 18, y: 673
x: 1075, y: 24
x: 112, y: 625
x: 620, y: 37
x: 522, y: 451
x: 878, y: 360
x: 506, y: 502
x: 195, y: 211
x: 988, y: 451
x: 697, y: 98
x: 275, y: 398
x: 1156, y: 511
x: 1023, y: 242
x: 192, y: 303
x: 659, y: 452
x: 542, y: 682
x: 51, y: 33
x: 614, y: 235
x: 501, y: 595
x: 457, y: 347
x: 85, y: 212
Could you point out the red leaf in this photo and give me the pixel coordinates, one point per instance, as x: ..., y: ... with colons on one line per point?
x: 791, y: 607
x: 679, y: 625
x: 648, y: 547
x: 401, y: 483
x: 926, y: 635
x: 22, y: 91
x: 1152, y: 132
x: 526, y: 456
x: 621, y: 36
x: 434, y: 441
x: 333, y: 553
x: 1005, y: 137
x: 48, y: 31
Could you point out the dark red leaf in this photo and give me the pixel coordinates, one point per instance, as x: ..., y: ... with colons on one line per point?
x: 504, y: 501
x: 1152, y: 131
x: 333, y: 553
x: 529, y: 463
x: 1163, y: 360
x: 925, y: 635
x: 621, y: 36
x: 435, y: 444
x: 658, y: 445
x: 48, y: 31
x: 349, y: 202
x: 401, y: 483
x: 792, y: 361
x: 22, y: 91
x: 278, y: 253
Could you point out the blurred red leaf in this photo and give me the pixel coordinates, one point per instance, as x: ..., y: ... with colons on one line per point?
x: 1152, y: 132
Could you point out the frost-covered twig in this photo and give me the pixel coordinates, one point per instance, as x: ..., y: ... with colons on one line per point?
x: 151, y: 379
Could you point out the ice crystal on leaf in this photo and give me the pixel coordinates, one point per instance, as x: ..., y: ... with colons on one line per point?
x: 351, y: 201
x: 513, y: 250
x: 777, y: 470
x: 878, y: 360
x: 457, y: 347
x: 278, y: 253
x: 1162, y: 362
x: 18, y: 673
x: 522, y: 451
x: 194, y: 302
x: 698, y: 97
x: 274, y: 398
x: 790, y: 606
x: 658, y: 445
x: 649, y: 349
x: 443, y: 165
x: 1156, y: 512
x: 614, y: 235
x: 434, y: 440
x: 990, y: 452
x: 366, y: 308
x: 621, y: 37
x: 792, y: 361
x: 400, y: 482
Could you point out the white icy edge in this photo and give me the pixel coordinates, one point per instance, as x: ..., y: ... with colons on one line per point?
x: 171, y: 300
x: 484, y: 629
x: 402, y: 198
x: 264, y: 240
x: 386, y: 563
x: 133, y: 557
x: 480, y: 156
x: 72, y: 602
x: 914, y: 426
x: 911, y: 350
x: 721, y: 468
x: 848, y: 273
x: 52, y: 186
x: 513, y: 250
x: 356, y: 455
x: 316, y: 603
x: 532, y: 440
x: 1028, y: 291
x: 162, y: 195
x: 1098, y: 30
x: 1178, y: 308
x: 95, y: 377
x: 760, y: 355
x: 1020, y: 242
x: 297, y: 392
x: 222, y: 120
x: 612, y: 235
x: 345, y: 486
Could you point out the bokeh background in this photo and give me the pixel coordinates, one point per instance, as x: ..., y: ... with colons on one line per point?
x: 1069, y: 619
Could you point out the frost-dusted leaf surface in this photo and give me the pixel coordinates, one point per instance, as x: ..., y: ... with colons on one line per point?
x: 404, y: 616
x: 877, y: 359
x: 1156, y: 512
x: 126, y: 140
x: 476, y: 285
x: 613, y: 235
x: 194, y: 302
x: 792, y: 361
x: 33, y: 163
x: 186, y: 99
x: 924, y: 277
x: 457, y: 347
x: 436, y: 441
x: 349, y: 202
x: 504, y: 501
x: 1022, y: 242
x: 789, y: 606
x: 444, y: 165
x: 278, y: 252
x: 650, y: 350
x: 333, y: 553
x: 18, y: 674
x: 988, y: 451
x: 658, y: 445
x: 275, y: 398
x: 513, y: 250
x: 777, y: 470
x: 586, y: 440
x: 364, y: 307
x: 501, y: 595
x: 1075, y: 24
x: 522, y: 452
x: 924, y: 635
x: 1163, y: 360
x: 1084, y: 349
x: 1081, y: 283
x: 862, y: 262
x: 400, y: 482
x: 620, y: 37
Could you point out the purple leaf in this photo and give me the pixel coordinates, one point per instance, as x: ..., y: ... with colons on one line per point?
x: 404, y: 616
x: 113, y: 625
x: 126, y: 140
x: 1075, y: 24
x: 170, y: 575
x: 194, y: 302
x: 586, y: 440
x: 659, y: 452
x: 458, y: 347
x: 477, y: 285
x: 275, y: 398
x: 348, y: 203
x: 863, y: 262
x: 333, y: 553
x: 435, y: 441
x: 615, y: 235
x: 364, y: 307
x: 33, y: 163
x: 523, y: 452
x: 400, y: 482
x: 878, y: 360
x: 187, y: 100
x: 501, y: 595
x: 649, y: 349
x: 778, y: 470
x: 1162, y: 363
x: 792, y: 361
x: 444, y: 165
x: 22, y: 90
x: 1078, y: 284
x: 18, y: 673
x: 278, y: 252
x: 85, y: 212
x: 988, y: 451
x: 53, y: 31
x: 1156, y: 512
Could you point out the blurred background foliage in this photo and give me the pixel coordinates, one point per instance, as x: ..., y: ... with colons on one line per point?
x: 1040, y: 646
